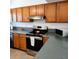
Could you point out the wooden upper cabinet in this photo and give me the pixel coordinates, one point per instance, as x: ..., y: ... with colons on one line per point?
x: 62, y: 12
x: 19, y: 15
x: 11, y: 18
x: 53, y: 12
x: 50, y: 12
x: 25, y: 14
x: 33, y: 11
x: 13, y: 15
x: 40, y: 10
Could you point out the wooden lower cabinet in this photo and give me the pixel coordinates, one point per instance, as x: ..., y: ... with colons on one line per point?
x: 16, y: 40
x: 45, y: 39
x: 20, y: 41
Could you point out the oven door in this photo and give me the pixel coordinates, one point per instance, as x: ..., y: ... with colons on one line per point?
x: 38, y: 43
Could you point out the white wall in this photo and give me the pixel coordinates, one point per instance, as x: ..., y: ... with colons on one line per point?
x: 21, y: 3
x: 41, y: 23
x: 61, y: 26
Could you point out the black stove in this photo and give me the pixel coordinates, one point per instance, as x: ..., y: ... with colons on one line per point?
x: 37, y: 32
x: 40, y: 30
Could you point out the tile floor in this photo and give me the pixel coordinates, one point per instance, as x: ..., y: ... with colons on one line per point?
x: 17, y: 54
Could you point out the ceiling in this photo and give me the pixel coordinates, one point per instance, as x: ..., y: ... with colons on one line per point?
x: 20, y: 3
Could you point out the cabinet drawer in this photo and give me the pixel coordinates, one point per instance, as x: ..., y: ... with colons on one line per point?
x: 15, y: 34
x: 22, y: 35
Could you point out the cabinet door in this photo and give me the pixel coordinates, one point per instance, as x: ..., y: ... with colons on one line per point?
x: 50, y: 12
x: 26, y: 14
x: 11, y: 18
x: 22, y: 42
x: 16, y: 40
x: 33, y: 11
x: 13, y: 15
x: 40, y: 10
x: 62, y: 12
x: 19, y: 14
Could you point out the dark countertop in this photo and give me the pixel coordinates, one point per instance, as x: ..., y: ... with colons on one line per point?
x: 57, y: 48
x: 23, y: 32
x: 20, y: 32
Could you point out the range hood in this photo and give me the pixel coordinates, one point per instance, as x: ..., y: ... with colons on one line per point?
x: 36, y: 17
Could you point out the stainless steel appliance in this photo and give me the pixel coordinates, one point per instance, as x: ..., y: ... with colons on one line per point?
x: 36, y: 17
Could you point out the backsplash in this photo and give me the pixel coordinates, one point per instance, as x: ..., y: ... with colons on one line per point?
x: 61, y: 26
x: 40, y: 23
